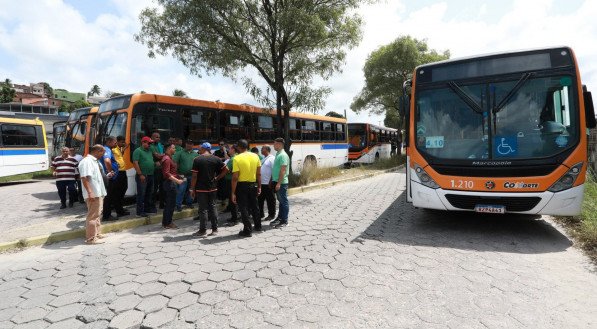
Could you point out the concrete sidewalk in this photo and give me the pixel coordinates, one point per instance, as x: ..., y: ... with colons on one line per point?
x: 30, y: 213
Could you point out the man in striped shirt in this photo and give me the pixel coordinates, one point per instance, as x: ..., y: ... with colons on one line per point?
x: 64, y: 168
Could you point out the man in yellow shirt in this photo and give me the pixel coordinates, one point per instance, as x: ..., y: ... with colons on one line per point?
x: 121, y: 179
x: 246, y: 186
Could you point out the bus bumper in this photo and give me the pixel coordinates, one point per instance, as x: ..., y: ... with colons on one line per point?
x: 565, y: 203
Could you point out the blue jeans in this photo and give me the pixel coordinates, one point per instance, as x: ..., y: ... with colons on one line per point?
x: 182, y: 192
x: 144, y: 194
x: 282, y: 195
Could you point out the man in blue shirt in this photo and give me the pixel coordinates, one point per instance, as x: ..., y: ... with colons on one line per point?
x: 110, y: 166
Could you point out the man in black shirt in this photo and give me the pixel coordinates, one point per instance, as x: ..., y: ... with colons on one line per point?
x: 207, y: 171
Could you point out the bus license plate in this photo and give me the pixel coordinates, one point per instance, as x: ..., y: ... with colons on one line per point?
x: 490, y: 209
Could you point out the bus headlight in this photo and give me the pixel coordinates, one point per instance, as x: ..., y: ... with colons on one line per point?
x: 425, y: 178
x: 567, y: 181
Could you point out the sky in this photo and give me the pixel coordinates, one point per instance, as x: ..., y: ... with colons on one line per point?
x: 75, y: 44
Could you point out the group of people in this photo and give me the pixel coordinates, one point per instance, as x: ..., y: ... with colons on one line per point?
x: 171, y: 176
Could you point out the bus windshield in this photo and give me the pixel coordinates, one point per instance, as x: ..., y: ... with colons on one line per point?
x: 358, y: 137
x: 510, y: 119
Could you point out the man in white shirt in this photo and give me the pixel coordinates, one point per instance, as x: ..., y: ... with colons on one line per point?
x: 267, y: 194
x: 94, y: 192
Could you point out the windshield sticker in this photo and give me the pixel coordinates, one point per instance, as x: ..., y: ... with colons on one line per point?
x: 562, y: 141
x: 421, y: 129
x: 505, y: 146
x: 434, y: 142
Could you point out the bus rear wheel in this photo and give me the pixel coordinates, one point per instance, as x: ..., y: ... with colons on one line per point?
x: 310, y: 162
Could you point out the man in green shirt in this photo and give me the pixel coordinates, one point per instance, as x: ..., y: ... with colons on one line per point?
x: 184, y: 160
x: 280, y: 182
x: 145, y: 167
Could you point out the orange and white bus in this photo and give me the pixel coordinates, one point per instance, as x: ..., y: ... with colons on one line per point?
x: 316, y: 140
x: 368, y: 143
x: 499, y: 133
x: 78, y: 131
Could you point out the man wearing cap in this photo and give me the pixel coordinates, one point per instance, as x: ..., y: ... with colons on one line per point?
x: 207, y: 170
x: 145, y: 167
x: 246, y: 186
x: 184, y: 161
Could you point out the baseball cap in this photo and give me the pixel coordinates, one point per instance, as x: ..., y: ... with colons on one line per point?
x: 146, y: 139
x: 206, y: 146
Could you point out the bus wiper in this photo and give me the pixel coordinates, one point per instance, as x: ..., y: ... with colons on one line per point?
x: 525, y: 77
x: 465, y: 97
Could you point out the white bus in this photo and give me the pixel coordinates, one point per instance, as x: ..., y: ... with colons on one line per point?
x: 23, y: 146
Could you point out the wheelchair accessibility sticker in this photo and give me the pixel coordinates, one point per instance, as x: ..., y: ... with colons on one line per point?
x: 505, y: 146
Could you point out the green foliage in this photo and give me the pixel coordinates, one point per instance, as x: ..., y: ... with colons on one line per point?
x: 95, y: 90
x: 7, y: 94
x: 69, y: 107
x: 180, y: 93
x: 286, y: 42
x: 312, y: 174
x: 334, y: 114
x: 386, y: 70
x: 48, y: 90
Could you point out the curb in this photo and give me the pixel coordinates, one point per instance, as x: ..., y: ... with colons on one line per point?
x: 154, y: 219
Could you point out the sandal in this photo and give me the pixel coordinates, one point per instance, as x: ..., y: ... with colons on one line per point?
x: 94, y: 241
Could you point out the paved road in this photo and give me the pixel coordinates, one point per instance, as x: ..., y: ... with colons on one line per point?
x: 355, y: 255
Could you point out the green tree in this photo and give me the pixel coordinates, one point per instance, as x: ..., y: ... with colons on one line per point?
x: 69, y: 107
x: 385, y: 70
x: 334, y: 114
x: 179, y: 93
x: 7, y: 93
x: 95, y: 90
x: 48, y: 90
x: 286, y: 42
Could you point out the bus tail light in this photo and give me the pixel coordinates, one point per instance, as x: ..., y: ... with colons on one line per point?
x: 567, y: 181
x: 425, y: 178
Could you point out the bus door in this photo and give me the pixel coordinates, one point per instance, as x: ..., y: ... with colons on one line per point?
x: 404, y: 112
x: 58, y: 137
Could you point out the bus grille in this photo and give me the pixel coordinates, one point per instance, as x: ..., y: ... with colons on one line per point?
x: 511, y: 203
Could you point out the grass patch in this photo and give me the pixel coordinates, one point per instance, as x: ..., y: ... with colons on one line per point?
x: 312, y: 174
x: 584, y: 227
x: 34, y: 175
x: 391, y: 162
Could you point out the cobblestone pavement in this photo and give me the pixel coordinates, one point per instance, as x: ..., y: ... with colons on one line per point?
x: 354, y: 255
x: 29, y: 203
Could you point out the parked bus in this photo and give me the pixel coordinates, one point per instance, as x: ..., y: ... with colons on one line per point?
x: 368, y: 143
x: 316, y: 140
x: 78, y: 131
x: 499, y: 133
x: 23, y: 146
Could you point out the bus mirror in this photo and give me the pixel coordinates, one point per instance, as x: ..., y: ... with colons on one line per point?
x: 589, y: 108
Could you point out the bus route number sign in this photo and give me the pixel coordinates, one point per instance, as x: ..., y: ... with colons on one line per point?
x: 434, y: 142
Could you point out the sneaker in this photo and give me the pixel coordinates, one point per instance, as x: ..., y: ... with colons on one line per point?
x: 94, y: 241
x: 179, y: 208
x: 213, y: 232
x: 232, y: 223
x: 268, y: 218
x: 200, y: 233
x: 170, y: 227
x: 275, y: 222
x: 63, y: 206
x: 245, y: 234
x: 258, y: 229
x: 281, y: 225
x: 71, y: 203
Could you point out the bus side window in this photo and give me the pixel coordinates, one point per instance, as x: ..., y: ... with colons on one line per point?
x: 326, y: 131
x: 295, y: 129
x: 340, y: 136
x: 265, y: 128
x: 198, y: 124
